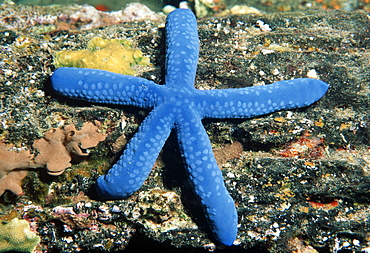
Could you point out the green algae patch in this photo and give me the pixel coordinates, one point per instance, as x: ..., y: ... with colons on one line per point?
x: 17, y: 236
x: 107, y: 54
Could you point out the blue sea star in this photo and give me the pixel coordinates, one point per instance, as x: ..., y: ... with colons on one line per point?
x: 178, y: 105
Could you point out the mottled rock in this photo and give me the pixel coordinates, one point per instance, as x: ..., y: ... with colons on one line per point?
x: 314, y: 200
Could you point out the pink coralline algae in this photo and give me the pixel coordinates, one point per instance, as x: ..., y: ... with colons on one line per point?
x: 74, y: 17
x: 93, y: 18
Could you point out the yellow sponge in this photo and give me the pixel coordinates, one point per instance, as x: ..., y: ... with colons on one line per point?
x: 108, y: 54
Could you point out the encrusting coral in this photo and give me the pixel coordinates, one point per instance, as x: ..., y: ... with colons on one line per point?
x: 56, y: 151
x: 58, y: 146
x: 17, y: 236
x: 12, y: 168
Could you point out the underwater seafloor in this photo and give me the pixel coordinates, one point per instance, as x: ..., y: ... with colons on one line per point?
x: 300, y: 178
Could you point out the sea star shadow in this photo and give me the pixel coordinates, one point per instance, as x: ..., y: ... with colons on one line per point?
x: 178, y: 105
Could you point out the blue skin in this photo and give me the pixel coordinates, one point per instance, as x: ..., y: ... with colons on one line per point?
x: 178, y: 105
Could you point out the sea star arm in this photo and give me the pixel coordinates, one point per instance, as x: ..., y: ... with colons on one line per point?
x: 182, y: 48
x: 182, y: 107
x: 136, y: 162
x: 95, y: 85
x: 258, y: 100
x: 206, y: 178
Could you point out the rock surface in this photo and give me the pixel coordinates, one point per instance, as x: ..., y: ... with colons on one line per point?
x: 301, y: 181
